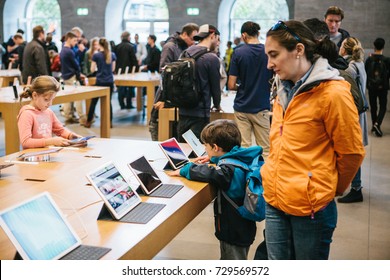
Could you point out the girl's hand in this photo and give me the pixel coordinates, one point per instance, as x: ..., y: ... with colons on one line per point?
x: 74, y: 136
x: 202, y: 159
x: 174, y: 173
x: 59, y: 141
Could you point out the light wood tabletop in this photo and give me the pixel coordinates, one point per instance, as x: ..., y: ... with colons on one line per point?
x: 140, y: 80
x: 9, y: 107
x: 9, y: 76
x: 64, y: 177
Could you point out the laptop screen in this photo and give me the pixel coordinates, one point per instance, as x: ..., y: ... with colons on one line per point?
x: 194, y: 143
x: 145, y: 174
x: 38, y: 230
x: 116, y: 192
x: 174, y: 153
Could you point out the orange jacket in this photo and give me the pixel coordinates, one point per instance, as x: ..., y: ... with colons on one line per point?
x: 316, y: 148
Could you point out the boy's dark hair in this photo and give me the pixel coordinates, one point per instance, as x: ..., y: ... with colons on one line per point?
x: 334, y: 10
x: 70, y: 35
x: 379, y: 44
x: 224, y: 133
x: 37, y: 30
x: 251, y: 28
x: 189, y: 28
x: 153, y: 37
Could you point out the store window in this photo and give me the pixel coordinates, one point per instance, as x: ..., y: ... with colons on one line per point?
x: 144, y: 17
x: 46, y: 13
x: 264, y: 12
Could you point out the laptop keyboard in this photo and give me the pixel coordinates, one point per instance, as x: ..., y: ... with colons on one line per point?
x: 166, y: 190
x: 142, y: 213
x: 85, y: 252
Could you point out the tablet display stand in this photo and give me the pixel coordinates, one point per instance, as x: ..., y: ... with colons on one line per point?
x: 141, y: 214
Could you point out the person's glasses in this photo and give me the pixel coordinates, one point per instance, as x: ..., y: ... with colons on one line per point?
x: 281, y: 25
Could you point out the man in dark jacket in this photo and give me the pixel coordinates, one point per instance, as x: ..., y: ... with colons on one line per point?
x: 36, y: 60
x: 152, y: 60
x: 173, y: 47
x: 125, y: 54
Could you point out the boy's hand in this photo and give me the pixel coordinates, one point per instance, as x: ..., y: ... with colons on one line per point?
x: 202, y: 159
x: 174, y: 173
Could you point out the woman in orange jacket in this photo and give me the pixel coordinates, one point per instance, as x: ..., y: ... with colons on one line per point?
x: 315, y: 145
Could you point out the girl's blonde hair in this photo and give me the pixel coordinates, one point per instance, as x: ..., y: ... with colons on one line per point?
x: 41, y: 85
x: 107, y: 50
x: 91, y: 50
x: 353, y: 47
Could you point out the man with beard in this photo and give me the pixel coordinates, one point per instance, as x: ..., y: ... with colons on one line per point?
x: 208, y: 82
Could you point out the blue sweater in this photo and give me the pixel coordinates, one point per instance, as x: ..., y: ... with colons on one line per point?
x: 104, y: 73
x: 69, y: 65
x: 249, y: 65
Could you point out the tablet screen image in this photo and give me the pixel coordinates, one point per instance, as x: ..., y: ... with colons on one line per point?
x: 38, y: 230
x: 148, y: 178
x: 194, y: 143
x: 174, y: 153
x: 117, y: 193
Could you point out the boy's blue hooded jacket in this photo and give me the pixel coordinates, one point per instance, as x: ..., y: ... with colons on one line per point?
x: 230, y: 227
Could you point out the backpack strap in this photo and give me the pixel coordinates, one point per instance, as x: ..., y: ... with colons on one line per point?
x: 238, y: 164
x: 234, y: 162
x: 195, y: 56
x: 359, y: 84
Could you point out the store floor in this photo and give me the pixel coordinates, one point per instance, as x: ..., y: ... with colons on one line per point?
x: 363, y: 229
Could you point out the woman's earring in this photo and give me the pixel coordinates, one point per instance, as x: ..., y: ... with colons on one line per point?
x: 298, y: 56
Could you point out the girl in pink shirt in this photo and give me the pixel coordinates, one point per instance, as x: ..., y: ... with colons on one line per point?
x: 36, y: 121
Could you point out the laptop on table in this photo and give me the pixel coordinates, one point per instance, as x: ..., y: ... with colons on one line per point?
x: 173, y: 152
x: 121, y: 200
x: 39, y: 231
x: 196, y: 146
x: 150, y: 183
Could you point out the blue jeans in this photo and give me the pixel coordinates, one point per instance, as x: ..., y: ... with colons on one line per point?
x: 303, y: 238
x: 357, y: 181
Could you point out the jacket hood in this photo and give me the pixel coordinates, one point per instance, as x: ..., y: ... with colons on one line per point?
x: 26, y: 108
x: 246, y: 155
x: 340, y: 63
x: 321, y: 71
x: 175, y: 39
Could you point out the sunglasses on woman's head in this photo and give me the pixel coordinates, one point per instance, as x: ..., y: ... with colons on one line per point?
x: 281, y: 25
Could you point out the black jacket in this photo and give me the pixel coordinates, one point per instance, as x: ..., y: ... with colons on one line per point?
x: 153, y: 59
x: 125, y: 54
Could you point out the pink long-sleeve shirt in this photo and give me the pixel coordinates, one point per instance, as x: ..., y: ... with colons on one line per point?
x: 35, y: 126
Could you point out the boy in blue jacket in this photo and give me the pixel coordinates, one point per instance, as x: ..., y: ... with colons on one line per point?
x: 222, y: 139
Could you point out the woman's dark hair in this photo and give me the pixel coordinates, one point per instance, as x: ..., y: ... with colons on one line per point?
x: 224, y: 133
x: 288, y: 36
x: 325, y: 47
